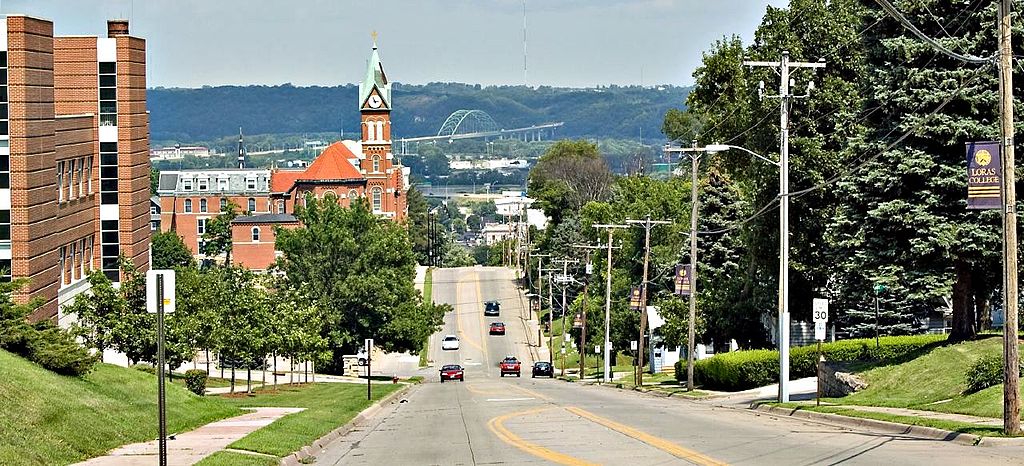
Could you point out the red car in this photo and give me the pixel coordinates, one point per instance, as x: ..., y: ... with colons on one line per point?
x: 452, y: 372
x: 510, y: 365
x: 497, y: 328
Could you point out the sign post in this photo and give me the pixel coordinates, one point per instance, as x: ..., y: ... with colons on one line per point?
x: 369, y: 358
x: 159, y: 301
x: 819, y: 310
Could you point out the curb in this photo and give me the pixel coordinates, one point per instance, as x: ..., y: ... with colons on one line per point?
x: 307, y: 452
x: 928, y: 433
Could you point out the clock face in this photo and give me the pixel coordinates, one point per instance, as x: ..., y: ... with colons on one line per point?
x: 374, y: 101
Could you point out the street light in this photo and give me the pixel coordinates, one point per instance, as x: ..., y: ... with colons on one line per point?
x: 695, y: 154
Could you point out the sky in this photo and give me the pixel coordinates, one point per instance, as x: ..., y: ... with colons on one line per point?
x: 570, y: 43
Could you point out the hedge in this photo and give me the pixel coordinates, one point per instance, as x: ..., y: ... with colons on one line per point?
x: 741, y: 370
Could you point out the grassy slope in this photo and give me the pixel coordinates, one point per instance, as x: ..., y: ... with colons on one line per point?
x: 936, y: 376
x: 51, y: 419
x: 428, y: 294
x: 328, y: 405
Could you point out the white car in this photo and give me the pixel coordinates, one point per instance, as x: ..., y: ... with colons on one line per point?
x: 450, y: 342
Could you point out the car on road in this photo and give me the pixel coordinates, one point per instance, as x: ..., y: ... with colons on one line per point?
x: 492, y: 309
x: 450, y: 342
x: 497, y: 328
x: 452, y: 372
x: 543, y: 369
x: 510, y: 365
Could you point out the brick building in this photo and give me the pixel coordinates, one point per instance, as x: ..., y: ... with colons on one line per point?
x: 74, y: 157
x: 349, y: 170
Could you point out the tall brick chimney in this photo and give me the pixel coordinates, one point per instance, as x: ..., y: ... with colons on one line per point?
x: 117, y: 27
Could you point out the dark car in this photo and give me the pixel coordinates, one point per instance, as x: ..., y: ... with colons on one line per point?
x: 452, y: 372
x: 492, y: 308
x: 497, y: 328
x: 543, y: 369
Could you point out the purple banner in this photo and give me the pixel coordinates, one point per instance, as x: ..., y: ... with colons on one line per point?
x: 636, y: 301
x: 682, y: 280
x: 984, y: 175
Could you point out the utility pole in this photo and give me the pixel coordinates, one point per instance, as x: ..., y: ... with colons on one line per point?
x: 565, y: 284
x: 540, y: 283
x: 551, y: 316
x: 647, y: 224
x: 586, y: 286
x: 608, y: 301
x: 785, y: 98
x: 691, y: 331
x: 1011, y: 356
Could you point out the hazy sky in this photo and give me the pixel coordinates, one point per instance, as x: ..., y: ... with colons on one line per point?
x: 326, y: 42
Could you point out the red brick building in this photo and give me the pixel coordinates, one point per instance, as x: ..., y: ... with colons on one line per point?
x: 350, y: 170
x: 74, y: 157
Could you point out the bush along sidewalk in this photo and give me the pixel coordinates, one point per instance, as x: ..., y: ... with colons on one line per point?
x: 742, y: 370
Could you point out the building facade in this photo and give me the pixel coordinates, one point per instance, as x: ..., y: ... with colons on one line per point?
x: 351, y: 171
x: 74, y: 157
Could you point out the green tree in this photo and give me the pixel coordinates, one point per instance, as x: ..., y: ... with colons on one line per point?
x: 169, y: 251
x: 43, y: 343
x: 154, y: 181
x: 97, y: 312
x: 417, y: 223
x: 217, y: 239
x: 359, y: 269
x: 568, y: 176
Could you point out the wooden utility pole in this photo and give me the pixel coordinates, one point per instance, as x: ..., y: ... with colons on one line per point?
x: 551, y: 316
x: 565, y: 284
x: 608, y: 303
x: 691, y: 330
x: 540, y: 284
x: 1011, y: 356
x: 586, y: 287
x: 647, y: 224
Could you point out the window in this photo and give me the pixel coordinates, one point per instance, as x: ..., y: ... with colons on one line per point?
x: 60, y: 264
x: 201, y: 226
x: 153, y: 225
x: 152, y: 210
x: 202, y: 205
x: 250, y: 184
x: 252, y: 205
x: 376, y: 164
x: 352, y: 196
x: 280, y: 206
x: 75, y: 258
x: 108, y: 93
x: 203, y: 184
x: 369, y: 131
x: 255, y: 234
x: 88, y: 253
x: 88, y: 173
x: 80, y: 170
x: 222, y: 184
x: 186, y: 184
x: 60, y: 182
x: 330, y: 193
x: 188, y: 206
x: 378, y: 199
x: 68, y: 175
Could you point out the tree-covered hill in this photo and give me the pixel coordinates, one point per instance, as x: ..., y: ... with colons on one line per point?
x: 211, y: 112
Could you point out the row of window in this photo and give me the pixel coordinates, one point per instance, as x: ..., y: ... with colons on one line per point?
x: 74, y: 178
x: 223, y: 184
x: 108, y: 93
x: 75, y: 260
x: 204, y: 205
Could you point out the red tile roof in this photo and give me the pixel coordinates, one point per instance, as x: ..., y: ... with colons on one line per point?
x: 334, y: 163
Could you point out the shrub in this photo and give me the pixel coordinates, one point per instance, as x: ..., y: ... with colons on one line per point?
x: 195, y: 380
x: 986, y: 372
x: 43, y: 343
x: 147, y: 368
x: 741, y: 370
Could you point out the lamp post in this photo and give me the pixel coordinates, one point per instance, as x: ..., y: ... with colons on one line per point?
x: 695, y: 153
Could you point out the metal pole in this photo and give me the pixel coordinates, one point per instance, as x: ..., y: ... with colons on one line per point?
x: 565, y: 284
x: 1011, y: 356
x: 876, y: 319
x: 551, y: 321
x: 369, y: 358
x: 784, y: 233
x: 643, y: 307
x: 691, y: 330
x: 817, y: 396
x: 583, y: 334
x: 161, y: 393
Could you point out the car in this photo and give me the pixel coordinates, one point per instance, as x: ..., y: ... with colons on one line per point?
x: 450, y: 342
x: 543, y: 368
x: 510, y: 365
x: 452, y: 372
x: 492, y: 309
x: 497, y: 328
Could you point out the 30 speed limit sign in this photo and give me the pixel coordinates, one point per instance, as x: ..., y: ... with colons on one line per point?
x: 819, y: 310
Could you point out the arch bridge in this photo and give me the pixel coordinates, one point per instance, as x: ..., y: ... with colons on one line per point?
x: 472, y: 124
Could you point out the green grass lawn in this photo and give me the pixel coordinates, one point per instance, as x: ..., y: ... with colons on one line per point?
x: 231, y: 458
x: 47, y: 418
x: 936, y: 376
x: 328, y: 406
x: 428, y: 294
x: 952, y: 426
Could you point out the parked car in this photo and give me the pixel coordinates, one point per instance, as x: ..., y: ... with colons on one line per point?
x: 510, y: 365
x: 452, y: 372
x: 497, y: 328
x: 543, y: 369
x: 450, y: 342
x: 492, y: 309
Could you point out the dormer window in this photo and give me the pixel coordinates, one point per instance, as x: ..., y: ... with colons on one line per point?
x: 222, y: 184
x: 203, y: 184
x: 186, y: 184
x: 250, y: 184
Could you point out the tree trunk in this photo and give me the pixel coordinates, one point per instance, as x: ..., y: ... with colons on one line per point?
x: 963, y: 304
x: 232, y: 378
x: 248, y: 380
x: 208, y: 363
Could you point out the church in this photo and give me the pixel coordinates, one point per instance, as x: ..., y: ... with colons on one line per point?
x: 349, y: 170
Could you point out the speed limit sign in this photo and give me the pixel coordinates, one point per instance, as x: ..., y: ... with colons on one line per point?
x: 819, y: 310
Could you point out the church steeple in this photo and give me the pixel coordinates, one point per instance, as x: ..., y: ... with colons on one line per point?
x: 241, y: 149
x: 375, y: 83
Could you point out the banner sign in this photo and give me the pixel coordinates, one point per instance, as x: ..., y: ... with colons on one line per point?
x: 984, y: 175
x: 682, y: 280
x: 635, y: 299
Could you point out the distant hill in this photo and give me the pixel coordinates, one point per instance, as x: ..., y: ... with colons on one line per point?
x: 207, y: 113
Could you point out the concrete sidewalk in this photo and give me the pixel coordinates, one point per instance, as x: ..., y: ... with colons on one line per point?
x: 191, y: 447
x: 964, y: 418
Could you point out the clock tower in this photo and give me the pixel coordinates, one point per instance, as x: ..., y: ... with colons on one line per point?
x: 384, y: 176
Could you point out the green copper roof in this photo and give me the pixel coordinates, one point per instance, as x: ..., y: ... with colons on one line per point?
x: 375, y: 77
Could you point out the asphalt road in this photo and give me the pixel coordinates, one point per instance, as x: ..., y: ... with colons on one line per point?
x: 493, y: 420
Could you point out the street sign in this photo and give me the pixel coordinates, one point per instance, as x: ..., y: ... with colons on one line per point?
x: 563, y: 350
x: 632, y: 345
x: 819, y: 330
x: 819, y: 310
x: 597, y: 348
x: 151, y: 290
x: 369, y: 346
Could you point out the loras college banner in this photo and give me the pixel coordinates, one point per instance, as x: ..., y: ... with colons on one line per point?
x: 984, y: 175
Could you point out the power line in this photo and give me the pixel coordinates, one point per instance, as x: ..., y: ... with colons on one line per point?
x: 888, y: 7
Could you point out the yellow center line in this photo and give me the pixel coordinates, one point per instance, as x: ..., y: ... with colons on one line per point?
x: 656, y: 442
x: 531, y: 392
x: 458, y: 319
x: 496, y: 425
